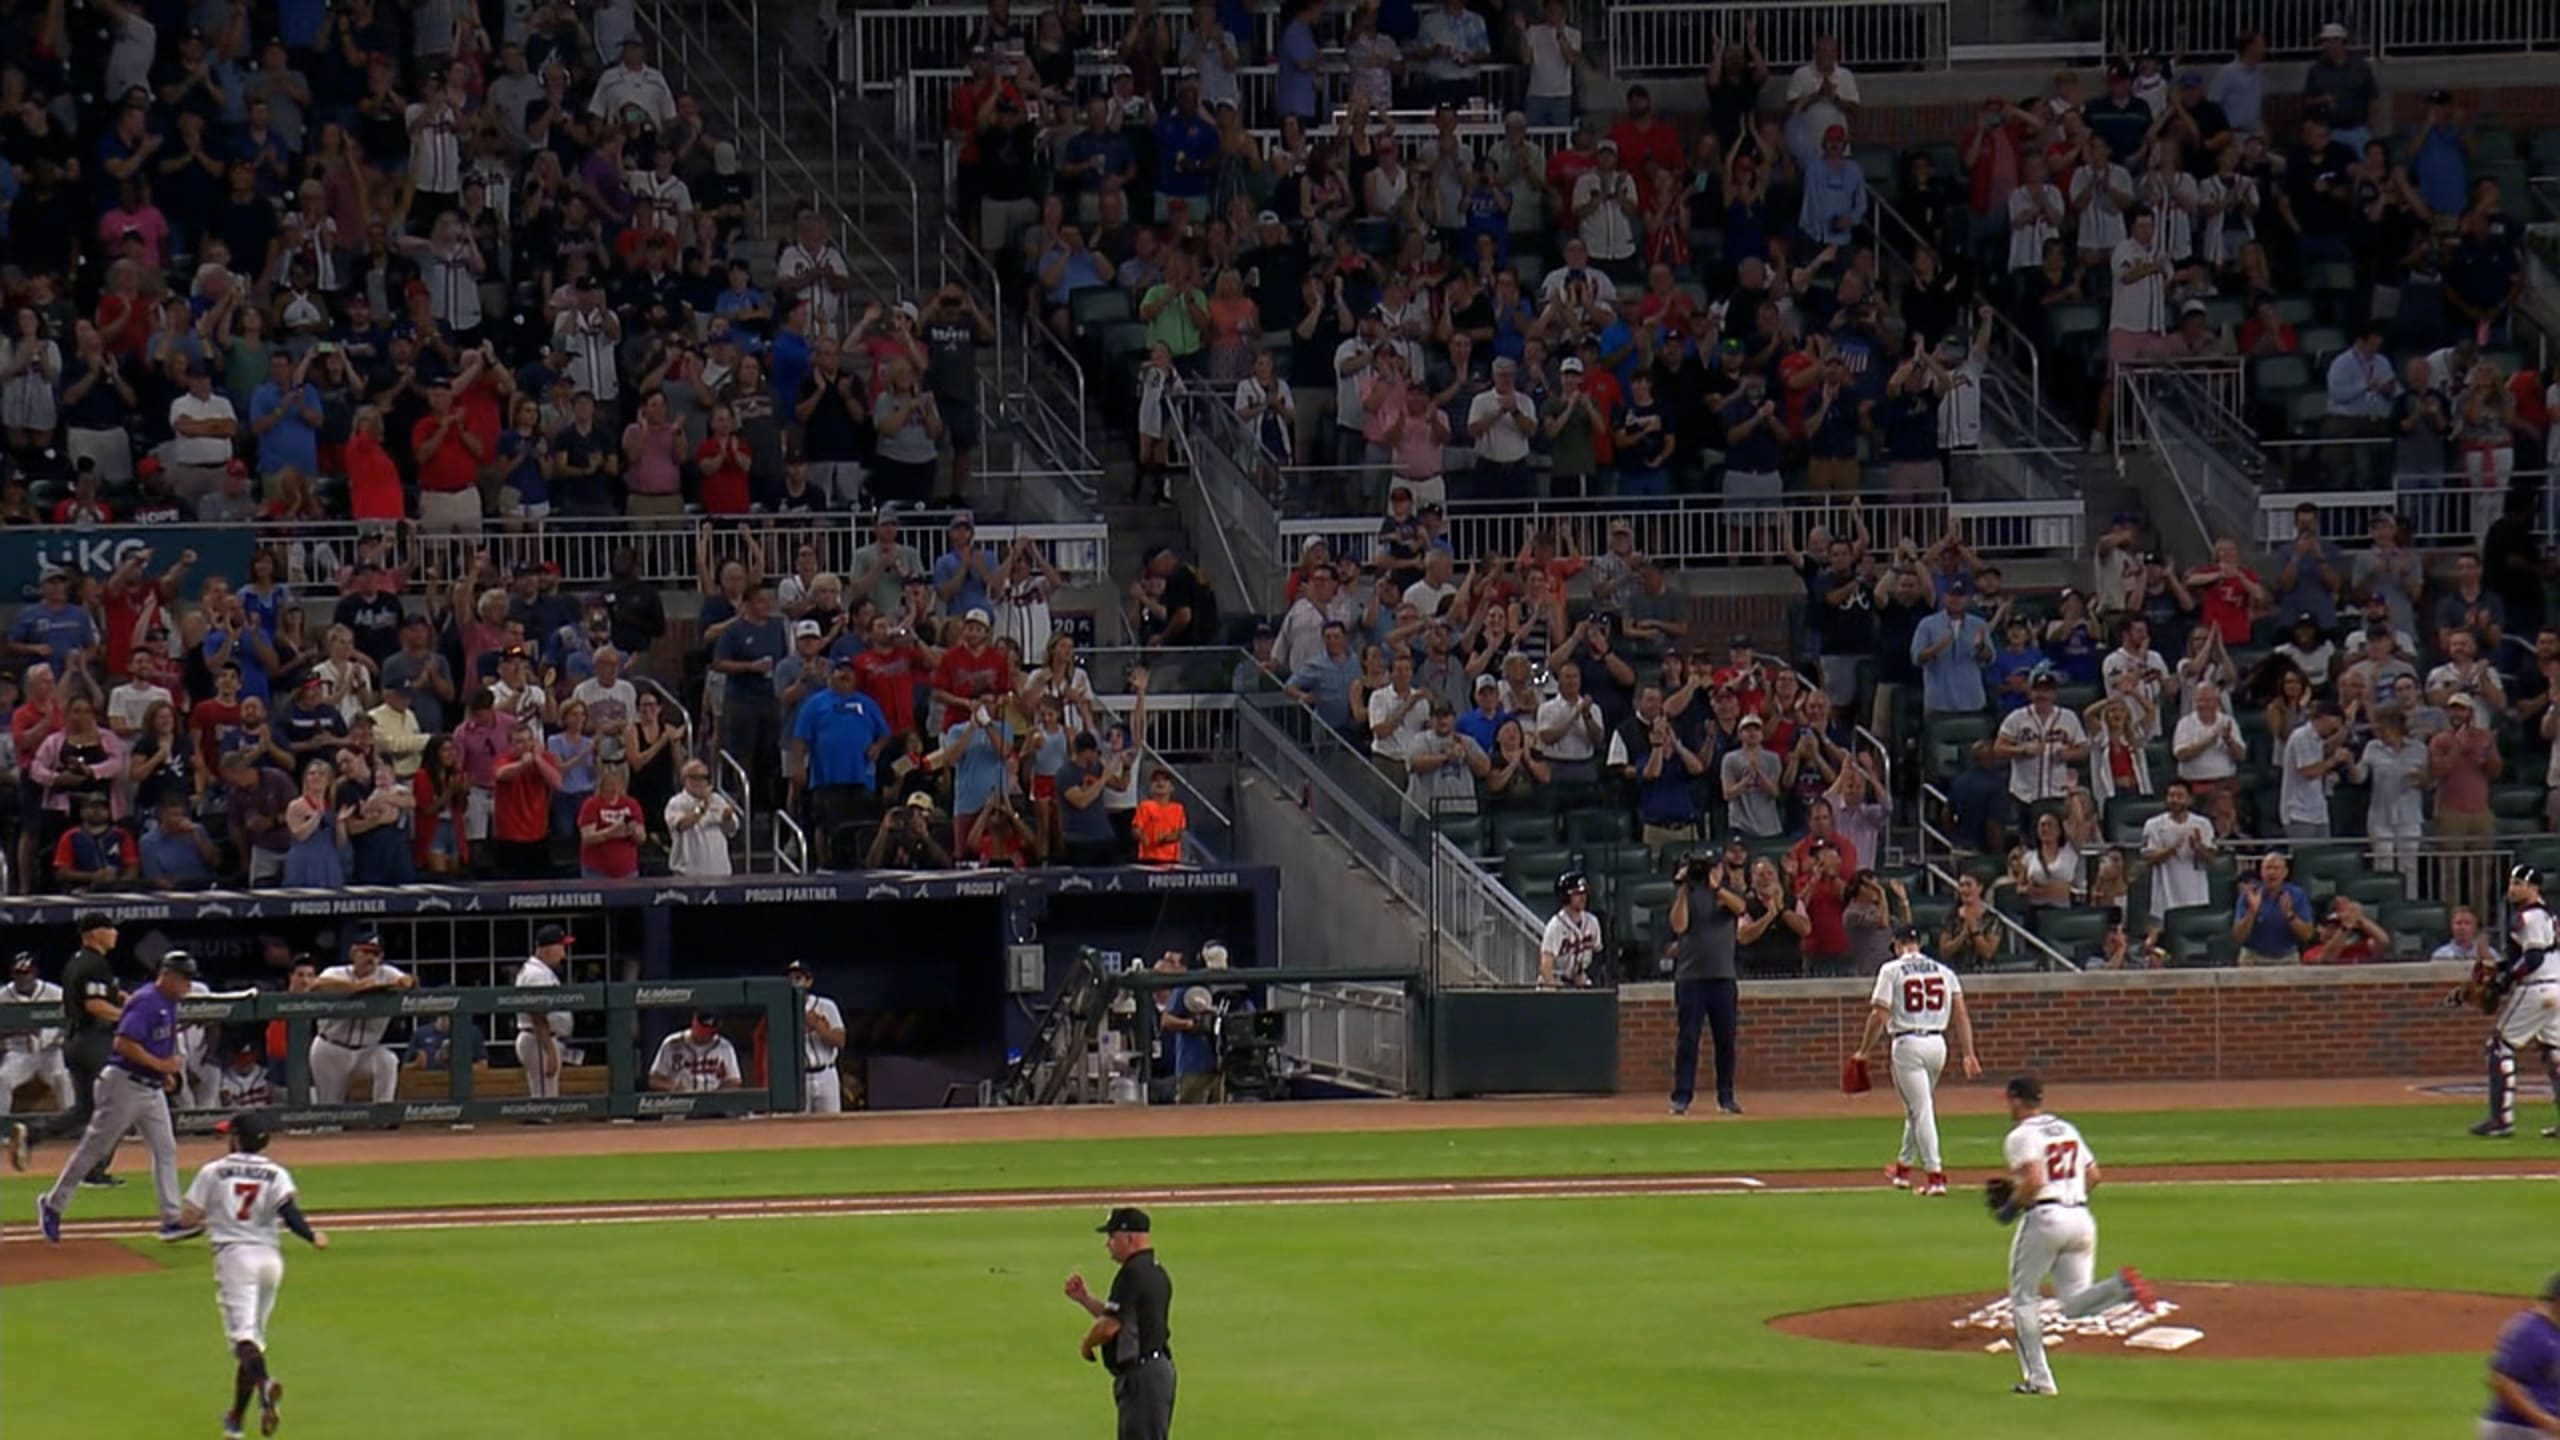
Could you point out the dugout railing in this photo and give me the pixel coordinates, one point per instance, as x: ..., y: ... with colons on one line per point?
x: 626, y: 1095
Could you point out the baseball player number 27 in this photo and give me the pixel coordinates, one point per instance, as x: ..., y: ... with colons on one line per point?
x: 2061, y: 1162
x: 248, y: 1193
x: 1928, y: 993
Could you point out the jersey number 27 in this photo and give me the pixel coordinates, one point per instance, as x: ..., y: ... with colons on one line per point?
x: 2062, y: 1161
x: 1919, y: 994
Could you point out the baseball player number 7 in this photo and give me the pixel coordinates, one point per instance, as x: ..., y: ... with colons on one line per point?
x: 248, y: 1193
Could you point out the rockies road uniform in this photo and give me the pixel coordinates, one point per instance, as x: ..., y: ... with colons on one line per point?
x: 2056, y: 1236
x: 531, y: 1025
x: 131, y: 1097
x: 340, y: 1047
x: 1916, y: 995
x: 2530, y: 1015
x: 692, y: 1064
x: 34, y: 1054
x: 243, y: 1197
x: 1573, y: 942
x: 818, y: 1060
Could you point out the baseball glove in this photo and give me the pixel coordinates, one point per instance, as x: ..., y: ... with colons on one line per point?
x: 2000, y: 1196
x: 2484, y: 990
x: 1854, y: 1079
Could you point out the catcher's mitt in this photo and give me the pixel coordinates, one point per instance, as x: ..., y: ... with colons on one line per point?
x: 2485, y: 990
x: 1854, y: 1079
x: 2000, y: 1196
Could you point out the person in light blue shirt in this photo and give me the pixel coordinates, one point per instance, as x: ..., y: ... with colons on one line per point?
x: 975, y: 754
x: 1951, y: 647
x: 1298, y: 89
x: 1483, y: 723
x: 2440, y: 157
x: 2240, y: 87
x: 2361, y: 381
x: 50, y: 629
x: 2313, y: 569
x: 1323, y: 681
x: 1451, y: 42
x: 963, y: 573
x: 285, y: 416
x: 1835, y: 193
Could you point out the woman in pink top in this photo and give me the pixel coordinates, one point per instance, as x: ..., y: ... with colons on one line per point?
x: 1414, y: 431
x: 134, y: 212
x: 652, y: 467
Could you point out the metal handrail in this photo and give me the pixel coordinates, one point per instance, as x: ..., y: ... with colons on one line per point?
x: 2039, y: 413
x: 2019, y: 934
x: 746, y: 798
x: 961, y: 255
x: 878, y: 159
x: 2133, y: 403
x: 790, y: 845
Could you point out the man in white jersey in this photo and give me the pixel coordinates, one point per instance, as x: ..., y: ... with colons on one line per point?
x: 541, y: 1034
x: 821, y: 1039
x: 344, y: 1045
x: 697, y: 1057
x: 1572, y: 941
x: 2528, y: 1012
x: 32, y: 1054
x: 239, y: 1200
x: 2051, y: 1173
x: 1915, y: 1001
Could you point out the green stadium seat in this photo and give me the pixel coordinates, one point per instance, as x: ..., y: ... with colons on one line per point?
x: 2075, y: 932
x: 2428, y: 922
x: 1092, y: 308
x: 1959, y: 730
x: 2375, y: 888
x: 2127, y: 814
x: 1929, y: 915
x: 1523, y: 830
x: 1598, y: 825
x: 2078, y: 317
x: 2510, y: 801
x: 1469, y: 833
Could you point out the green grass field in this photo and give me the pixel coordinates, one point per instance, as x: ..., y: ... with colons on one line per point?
x: 1598, y: 1318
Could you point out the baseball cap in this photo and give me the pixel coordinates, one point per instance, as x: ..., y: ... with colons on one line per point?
x: 908, y: 309
x: 1267, y: 217
x: 178, y: 962
x: 807, y: 630
x: 1487, y: 682
x: 1835, y: 132
x: 796, y: 967
x: 364, y: 935
x: 920, y: 801
x: 979, y: 615
x: 964, y: 517
x: 1750, y: 722
x: 24, y: 962
x: 246, y: 1128
x: 1572, y: 365
x: 554, y: 935
x: 2192, y: 307
x: 1127, y: 1220
x: 2027, y: 1089
x: 2463, y: 702
x: 2119, y: 71
x: 2333, y: 31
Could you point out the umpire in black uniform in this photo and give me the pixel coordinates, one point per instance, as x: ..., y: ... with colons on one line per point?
x: 1707, y: 903
x: 91, y: 1005
x: 1132, y: 1329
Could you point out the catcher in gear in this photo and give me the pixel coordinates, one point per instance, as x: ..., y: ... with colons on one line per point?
x: 1572, y: 943
x: 2521, y: 994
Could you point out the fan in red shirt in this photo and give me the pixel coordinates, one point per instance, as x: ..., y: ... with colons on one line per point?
x: 1825, y: 897
x: 2227, y: 594
x: 448, y: 451
x: 972, y: 670
x: 610, y: 826
x: 1645, y: 140
x: 135, y: 605
x: 84, y: 506
x: 1743, y: 673
x: 520, y: 815
x: 213, y: 720
x: 722, y: 459
x: 373, y: 477
x: 887, y: 670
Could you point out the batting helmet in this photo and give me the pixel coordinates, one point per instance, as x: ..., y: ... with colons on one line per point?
x: 1572, y: 883
x: 2525, y: 875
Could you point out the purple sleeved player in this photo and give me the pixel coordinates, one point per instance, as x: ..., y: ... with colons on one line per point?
x: 133, y: 1094
x: 2524, y: 1374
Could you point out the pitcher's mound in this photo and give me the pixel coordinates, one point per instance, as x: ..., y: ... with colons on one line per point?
x: 31, y: 1264
x: 2238, y: 1321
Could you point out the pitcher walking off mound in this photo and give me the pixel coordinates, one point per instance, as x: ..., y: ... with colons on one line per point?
x: 133, y: 1094
x: 2051, y: 1174
x: 241, y: 1199
x: 1915, y: 1001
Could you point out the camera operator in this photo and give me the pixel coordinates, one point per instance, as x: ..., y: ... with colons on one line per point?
x: 1707, y: 903
x: 906, y: 841
x: 1190, y: 1022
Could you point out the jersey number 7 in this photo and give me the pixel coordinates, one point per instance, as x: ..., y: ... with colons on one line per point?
x: 1920, y: 994
x: 247, y: 1190
x: 2062, y: 1161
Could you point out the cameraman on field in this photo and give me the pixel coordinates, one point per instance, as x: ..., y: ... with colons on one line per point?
x: 1707, y: 902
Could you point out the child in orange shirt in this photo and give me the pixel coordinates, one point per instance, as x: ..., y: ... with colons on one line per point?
x: 1159, y: 823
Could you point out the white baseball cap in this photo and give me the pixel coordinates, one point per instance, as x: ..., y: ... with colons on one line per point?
x: 979, y: 614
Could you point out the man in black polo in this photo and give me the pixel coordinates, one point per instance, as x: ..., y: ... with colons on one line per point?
x: 1707, y: 903
x: 91, y: 1005
x: 1132, y: 1330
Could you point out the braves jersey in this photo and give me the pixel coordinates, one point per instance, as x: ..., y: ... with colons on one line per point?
x: 815, y: 1052
x: 46, y: 992
x: 242, y: 1089
x: 357, y: 1032
x: 243, y: 1198
x: 697, y: 1064
x: 533, y: 974
x: 1573, y: 938
x: 1916, y: 994
x: 2054, y: 1144
x: 2530, y: 941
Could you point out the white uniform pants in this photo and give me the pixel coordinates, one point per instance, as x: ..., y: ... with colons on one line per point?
x: 1918, y: 1058
x: 333, y: 1065
x: 2531, y: 1015
x: 2056, y: 1240
x: 824, y: 1092
x: 245, y: 1279
x: 529, y: 1055
x: 20, y: 1066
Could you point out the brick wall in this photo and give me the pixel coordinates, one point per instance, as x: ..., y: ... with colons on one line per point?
x: 2183, y: 1025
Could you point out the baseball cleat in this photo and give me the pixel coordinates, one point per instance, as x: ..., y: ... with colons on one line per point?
x: 271, y: 1407
x: 49, y: 1220
x: 2144, y: 1294
x: 2494, y: 1130
x: 1679, y: 1107
x: 231, y: 1427
x: 17, y: 1146
x: 2029, y: 1387
x: 102, y: 1181
x: 1899, y: 1175
x: 173, y: 1233
x: 2549, y: 1132
x: 1936, y: 1184
x: 1729, y: 1107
